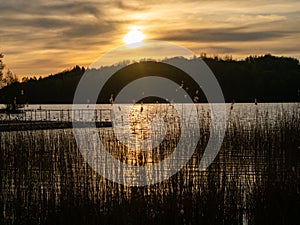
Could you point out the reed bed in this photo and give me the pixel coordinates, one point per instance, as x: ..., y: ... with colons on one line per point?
x: 254, y: 179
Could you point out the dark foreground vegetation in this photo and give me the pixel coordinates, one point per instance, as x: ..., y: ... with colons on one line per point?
x: 266, y: 78
x: 254, y: 180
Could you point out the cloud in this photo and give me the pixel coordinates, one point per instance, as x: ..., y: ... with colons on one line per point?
x: 36, y: 22
x: 220, y: 35
x: 40, y: 7
x: 132, y: 5
x: 83, y: 30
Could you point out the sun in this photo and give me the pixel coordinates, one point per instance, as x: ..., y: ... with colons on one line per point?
x: 133, y: 36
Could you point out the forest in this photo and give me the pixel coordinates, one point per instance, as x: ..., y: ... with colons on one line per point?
x: 264, y: 78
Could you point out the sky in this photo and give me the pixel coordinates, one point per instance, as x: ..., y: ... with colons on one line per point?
x: 42, y: 37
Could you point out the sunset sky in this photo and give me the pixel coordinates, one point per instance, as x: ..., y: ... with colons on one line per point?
x: 40, y: 37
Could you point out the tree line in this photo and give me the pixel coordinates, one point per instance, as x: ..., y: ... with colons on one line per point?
x: 264, y: 78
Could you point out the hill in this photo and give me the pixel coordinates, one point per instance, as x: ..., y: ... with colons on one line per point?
x: 266, y: 78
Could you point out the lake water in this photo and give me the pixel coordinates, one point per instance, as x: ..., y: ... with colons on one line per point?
x: 45, y: 176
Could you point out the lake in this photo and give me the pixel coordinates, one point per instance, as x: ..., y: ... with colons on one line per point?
x: 253, y: 180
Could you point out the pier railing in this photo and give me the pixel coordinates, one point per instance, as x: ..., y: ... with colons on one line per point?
x: 59, y: 115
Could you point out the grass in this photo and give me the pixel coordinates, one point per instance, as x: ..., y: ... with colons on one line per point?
x: 254, y: 179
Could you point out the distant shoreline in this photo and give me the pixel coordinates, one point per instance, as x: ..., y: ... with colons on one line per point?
x: 2, y: 106
x: 268, y: 79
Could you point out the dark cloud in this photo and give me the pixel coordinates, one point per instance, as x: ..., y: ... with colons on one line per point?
x: 88, y: 30
x: 223, y: 50
x: 220, y: 35
x: 36, y: 22
x: 77, y: 8
x: 133, y: 6
x: 37, y: 7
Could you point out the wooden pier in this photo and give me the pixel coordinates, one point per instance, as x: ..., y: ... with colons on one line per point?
x: 55, y: 119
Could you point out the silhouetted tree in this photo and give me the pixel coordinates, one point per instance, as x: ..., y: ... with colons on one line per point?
x: 1, y: 66
x: 25, y: 79
x: 10, y: 78
x: 1, y: 70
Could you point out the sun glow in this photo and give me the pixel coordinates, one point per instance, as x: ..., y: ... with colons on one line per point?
x: 134, y: 36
